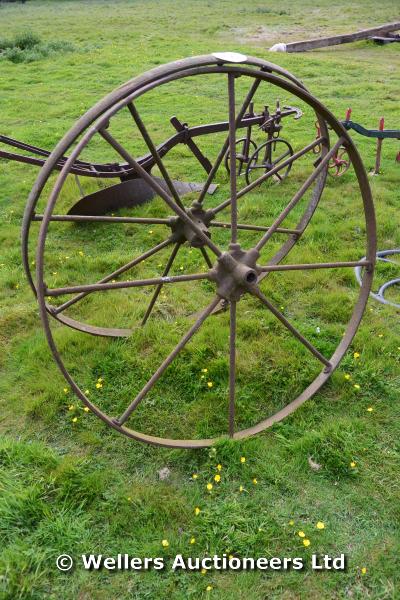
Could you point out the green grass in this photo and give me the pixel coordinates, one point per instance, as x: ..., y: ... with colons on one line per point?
x: 78, y: 487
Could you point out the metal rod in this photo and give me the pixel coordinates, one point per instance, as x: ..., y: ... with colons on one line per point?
x: 224, y: 148
x: 256, y: 292
x: 232, y: 366
x: 268, y: 174
x: 232, y: 156
x: 153, y: 151
x: 299, y: 194
x: 101, y: 287
x: 114, y: 274
x: 206, y: 257
x: 156, y: 376
x: 159, y: 190
x: 158, y: 288
x: 309, y: 266
x: 253, y: 227
x: 103, y: 219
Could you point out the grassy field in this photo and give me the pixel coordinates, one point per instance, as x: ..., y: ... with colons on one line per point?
x: 70, y: 485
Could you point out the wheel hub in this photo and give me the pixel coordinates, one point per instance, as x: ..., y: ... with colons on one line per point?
x: 182, y: 232
x: 235, y: 271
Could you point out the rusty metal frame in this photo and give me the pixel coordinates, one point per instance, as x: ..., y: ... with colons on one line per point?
x: 236, y: 272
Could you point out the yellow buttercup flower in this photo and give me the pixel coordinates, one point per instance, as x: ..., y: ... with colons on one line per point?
x: 353, y: 464
x: 74, y: 420
x: 370, y: 409
x: 71, y: 407
x: 197, y: 511
x: 347, y: 376
x: 242, y: 459
x: 291, y: 522
x: 165, y: 543
x: 80, y: 253
x: 255, y: 481
x: 306, y: 542
x: 66, y: 390
x: 209, y: 486
x: 356, y: 355
x: 357, y: 386
x: 363, y: 570
x: 195, y: 476
x: 100, y: 380
x: 87, y: 392
x: 301, y: 534
x: 320, y: 525
x: 192, y: 540
x: 217, y: 478
x: 86, y: 409
x: 209, y: 384
x: 209, y: 588
x: 219, y: 467
x: 99, y: 385
x: 241, y: 488
x: 203, y: 571
x: 204, y: 370
x: 380, y: 335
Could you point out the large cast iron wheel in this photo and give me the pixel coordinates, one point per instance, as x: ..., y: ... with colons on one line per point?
x: 233, y: 272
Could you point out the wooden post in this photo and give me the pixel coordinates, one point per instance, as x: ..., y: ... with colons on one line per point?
x: 337, y: 39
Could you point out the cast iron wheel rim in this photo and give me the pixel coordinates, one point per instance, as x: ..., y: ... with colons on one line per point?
x: 223, y: 66
x: 241, y: 158
x: 270, y: 145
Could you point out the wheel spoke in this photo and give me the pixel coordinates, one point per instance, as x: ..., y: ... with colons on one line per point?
x: 156, y: 376
x: 158, y: 288
x: 269, y: 173
x: 298, y: 196
x: 224, y: 148
x: 114, y: 274
x: 256, y: 292
x: 103, y: 219
x: 153, y: 150
x: 281, y: 157
x: 310, y: 266
x: 232, y: 156
x: 206, y: 257
x: 159, y: 190
x: 232, y: 366
x: 253, y: 227
x: 102, y: 287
